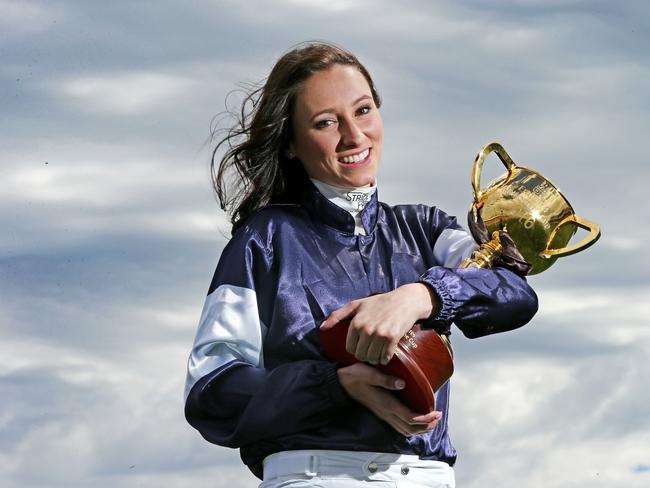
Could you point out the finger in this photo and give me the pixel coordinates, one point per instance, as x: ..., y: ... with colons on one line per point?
x: 351, y: 340
x: 406, y: 414
x: 375, y: 350
x: 419, y: 428
x: 434, y: 416
x: 392, y: 348
x: 395, y: 422
x: 388, y: 382
x: 397, y: 425
x: 363, y: 343
x: 407, y: 429
x: 385, y: 356
x: 336, y: 316
x: 432, y: 425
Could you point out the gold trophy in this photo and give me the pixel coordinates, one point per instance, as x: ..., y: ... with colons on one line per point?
x: 522, y: 206
x: 530, y: 209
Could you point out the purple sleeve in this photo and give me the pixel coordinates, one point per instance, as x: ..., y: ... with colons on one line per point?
x: 480, y: 301
x: 232, y: 399
x: 238, y: 404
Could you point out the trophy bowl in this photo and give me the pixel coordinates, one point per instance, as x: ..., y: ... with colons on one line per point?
x: 533, y: 211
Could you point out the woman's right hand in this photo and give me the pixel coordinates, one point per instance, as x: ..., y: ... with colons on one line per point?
x: 370, y: 387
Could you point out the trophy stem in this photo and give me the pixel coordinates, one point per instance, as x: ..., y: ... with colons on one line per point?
x: 485, y: 254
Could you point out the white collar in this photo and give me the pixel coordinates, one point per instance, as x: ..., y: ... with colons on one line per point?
x: 354, y: 200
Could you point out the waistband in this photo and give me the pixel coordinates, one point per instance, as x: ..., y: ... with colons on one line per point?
x: 355, y: 465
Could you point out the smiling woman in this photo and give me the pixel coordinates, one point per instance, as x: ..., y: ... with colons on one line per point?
x: 258, y: 149
x: 337, y: 128
x: 311, y: 246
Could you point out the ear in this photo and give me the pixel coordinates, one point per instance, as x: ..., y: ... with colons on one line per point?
x: 289, y: 152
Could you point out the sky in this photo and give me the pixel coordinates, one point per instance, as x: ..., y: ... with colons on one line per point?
x: 111, y: 231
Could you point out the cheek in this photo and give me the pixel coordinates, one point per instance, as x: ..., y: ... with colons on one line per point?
x: 376, y: 129
x: 322, y: 145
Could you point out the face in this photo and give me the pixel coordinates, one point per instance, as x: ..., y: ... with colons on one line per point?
x: 338, y: 131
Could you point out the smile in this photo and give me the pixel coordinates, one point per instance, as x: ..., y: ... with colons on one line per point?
x: 355, y: 158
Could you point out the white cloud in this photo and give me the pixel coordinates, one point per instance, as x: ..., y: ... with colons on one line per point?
x: 508, y: 40
x: 616, y: 316
x: 129, y: 93
x: 97, y: 189
x: 623, y: 243
x: 568, y: 422
x: 331, y: 5
x: 20, y: 18
x: 94, y: 418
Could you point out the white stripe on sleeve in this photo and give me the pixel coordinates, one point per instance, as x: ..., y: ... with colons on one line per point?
x: 452, y: 247
x: 230, y: 328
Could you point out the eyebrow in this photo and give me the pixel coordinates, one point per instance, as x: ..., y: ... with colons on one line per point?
x: 324, y: 111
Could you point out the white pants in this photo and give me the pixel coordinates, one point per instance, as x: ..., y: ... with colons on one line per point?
x: 338, y: 469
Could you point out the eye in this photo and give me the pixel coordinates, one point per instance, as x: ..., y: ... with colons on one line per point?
x: 323, y: 124
x: 364, y: 110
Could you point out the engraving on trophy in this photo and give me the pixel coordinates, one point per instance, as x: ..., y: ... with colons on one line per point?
x: 535, y: 214
x: 408, y: 340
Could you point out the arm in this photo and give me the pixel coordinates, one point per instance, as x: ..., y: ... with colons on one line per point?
x: 479, y: 301
x: 231, y: 398
x: 239, y: 403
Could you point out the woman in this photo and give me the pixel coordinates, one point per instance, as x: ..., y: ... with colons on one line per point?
x: 310, y: 245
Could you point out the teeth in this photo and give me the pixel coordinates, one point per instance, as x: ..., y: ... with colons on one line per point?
x: 356, y: 158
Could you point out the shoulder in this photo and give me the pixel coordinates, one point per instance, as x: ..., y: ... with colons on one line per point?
x: 448, y: 240
x: 411, y: 211
x: 267, y: 219
x: 430, y: 218
x: 251, y: 247
x: 265, y: 223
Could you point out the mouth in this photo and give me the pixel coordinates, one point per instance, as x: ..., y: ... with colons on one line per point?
x: 356, y: 159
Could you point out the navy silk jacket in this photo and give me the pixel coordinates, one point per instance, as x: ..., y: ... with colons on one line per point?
x: 257, y: 376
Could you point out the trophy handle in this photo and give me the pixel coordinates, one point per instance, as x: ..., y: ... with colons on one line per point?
x: 478, y: 166
x: 594, y: 235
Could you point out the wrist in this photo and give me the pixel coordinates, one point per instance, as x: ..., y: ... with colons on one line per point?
x: 427, y: 300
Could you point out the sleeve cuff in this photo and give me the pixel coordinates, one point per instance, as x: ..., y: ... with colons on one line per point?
x: 446, y: 312
x: 338, y: 395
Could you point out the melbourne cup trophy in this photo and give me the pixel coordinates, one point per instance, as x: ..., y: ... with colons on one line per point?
x: 520, y: 220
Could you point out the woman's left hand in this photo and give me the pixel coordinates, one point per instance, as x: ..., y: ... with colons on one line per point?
x: 378, y: 322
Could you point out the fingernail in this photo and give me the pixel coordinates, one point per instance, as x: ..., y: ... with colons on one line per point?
x: 399, y: 384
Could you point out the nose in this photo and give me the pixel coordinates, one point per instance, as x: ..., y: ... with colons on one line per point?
x: 351, y: 133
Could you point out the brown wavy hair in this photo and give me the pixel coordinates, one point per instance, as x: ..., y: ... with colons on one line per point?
x: 255, y: 169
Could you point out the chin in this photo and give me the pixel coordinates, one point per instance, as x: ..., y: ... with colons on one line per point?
x: 352, y: 182
x: 368, y: 180
x: 358, y: 180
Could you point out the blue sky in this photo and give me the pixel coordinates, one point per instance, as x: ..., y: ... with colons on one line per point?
x: 111, y: 233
